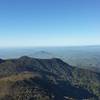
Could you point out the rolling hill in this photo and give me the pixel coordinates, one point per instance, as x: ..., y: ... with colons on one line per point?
x: 29, y: 78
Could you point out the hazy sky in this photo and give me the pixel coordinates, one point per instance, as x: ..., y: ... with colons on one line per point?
x: 49, y: 22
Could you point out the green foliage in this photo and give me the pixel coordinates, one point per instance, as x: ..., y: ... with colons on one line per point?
x: 46, y: 79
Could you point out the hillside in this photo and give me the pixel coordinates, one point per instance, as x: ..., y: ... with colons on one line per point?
x: 28, y: 78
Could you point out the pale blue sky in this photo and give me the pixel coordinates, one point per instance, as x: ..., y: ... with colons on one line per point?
x: 49, y: 22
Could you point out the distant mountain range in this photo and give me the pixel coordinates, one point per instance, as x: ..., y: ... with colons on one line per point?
x: 29, y: 78
x: 87, y: 57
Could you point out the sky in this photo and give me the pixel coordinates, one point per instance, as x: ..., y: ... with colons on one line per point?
x: 29, y: 23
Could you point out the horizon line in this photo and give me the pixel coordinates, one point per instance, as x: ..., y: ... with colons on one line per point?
x: 49, y: 46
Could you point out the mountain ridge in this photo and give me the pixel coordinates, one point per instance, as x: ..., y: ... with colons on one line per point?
x: 54, y: 73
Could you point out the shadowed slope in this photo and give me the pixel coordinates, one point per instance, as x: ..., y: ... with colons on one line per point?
x: 49, y: 78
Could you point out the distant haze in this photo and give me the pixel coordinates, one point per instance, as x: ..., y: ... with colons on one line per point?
x: 80, y: 56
